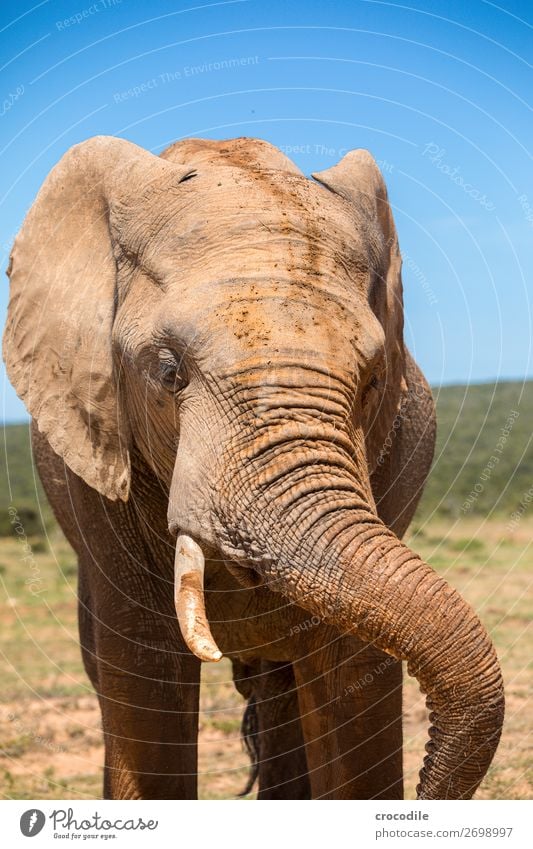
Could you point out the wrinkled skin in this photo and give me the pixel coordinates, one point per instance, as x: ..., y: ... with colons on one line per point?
x: 211, y: 346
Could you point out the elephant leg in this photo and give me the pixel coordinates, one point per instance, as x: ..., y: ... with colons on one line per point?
x: 150, y: 738
x: 350, y: 697
x: 148, y: 690
x: 272, y: 724
x: 282, y: 759
x: 146, y: 680
x: 86, y: 625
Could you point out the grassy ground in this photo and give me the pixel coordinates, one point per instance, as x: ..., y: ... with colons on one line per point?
x: 50, y: 736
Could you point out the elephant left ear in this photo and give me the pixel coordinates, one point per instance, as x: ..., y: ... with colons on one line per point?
x: 358, y: 180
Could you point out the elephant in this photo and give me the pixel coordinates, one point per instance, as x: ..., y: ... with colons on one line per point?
x: 234, y: 438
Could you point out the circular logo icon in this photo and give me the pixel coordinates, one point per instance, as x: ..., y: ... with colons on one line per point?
x: 31, y: 822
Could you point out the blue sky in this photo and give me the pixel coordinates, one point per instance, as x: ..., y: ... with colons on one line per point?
x: 437, y: 91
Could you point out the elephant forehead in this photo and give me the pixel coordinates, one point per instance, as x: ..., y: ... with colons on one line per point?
x: 232, y: 321
x: 235, y: 223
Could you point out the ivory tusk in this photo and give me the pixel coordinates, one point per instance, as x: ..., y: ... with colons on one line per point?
x: 189, y: 567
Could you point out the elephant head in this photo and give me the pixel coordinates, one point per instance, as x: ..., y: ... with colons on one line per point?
x: 241, y: 327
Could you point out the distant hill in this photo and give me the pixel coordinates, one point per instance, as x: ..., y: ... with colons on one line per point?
x: 20, y: 487
x: 484, y: 455
x: 483, y: 461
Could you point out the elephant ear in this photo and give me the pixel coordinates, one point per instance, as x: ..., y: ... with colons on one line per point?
x: 63, y: 294
x: 358, y: 180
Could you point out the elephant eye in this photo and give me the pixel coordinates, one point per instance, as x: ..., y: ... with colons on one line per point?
x: 172, y: 371
x: 371, y: 387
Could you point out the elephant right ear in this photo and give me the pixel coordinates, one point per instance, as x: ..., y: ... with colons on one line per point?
x: 58, y: 337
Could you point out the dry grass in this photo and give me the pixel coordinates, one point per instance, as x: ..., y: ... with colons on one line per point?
x: 50, y: 736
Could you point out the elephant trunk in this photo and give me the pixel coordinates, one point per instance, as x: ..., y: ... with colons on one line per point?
x: 370, y: 584
x: 321, y: 545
